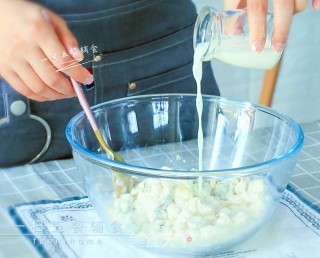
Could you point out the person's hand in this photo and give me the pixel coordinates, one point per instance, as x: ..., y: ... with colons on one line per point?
x: 283, y: 11
x: 32, y: 41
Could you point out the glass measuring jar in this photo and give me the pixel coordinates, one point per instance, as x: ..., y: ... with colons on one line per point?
x: 225, y: 36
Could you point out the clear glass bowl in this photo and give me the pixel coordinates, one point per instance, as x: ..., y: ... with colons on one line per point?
x: 159, y: 200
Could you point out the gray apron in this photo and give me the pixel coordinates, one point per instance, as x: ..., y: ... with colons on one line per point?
x: 137, y: 47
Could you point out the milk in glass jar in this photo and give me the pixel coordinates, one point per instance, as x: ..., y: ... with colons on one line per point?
x: 225, y: 36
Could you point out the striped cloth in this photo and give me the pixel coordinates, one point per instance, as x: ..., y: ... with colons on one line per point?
x: 60, y: 179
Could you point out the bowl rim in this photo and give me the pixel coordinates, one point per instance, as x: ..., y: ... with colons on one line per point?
x: 157, y: 172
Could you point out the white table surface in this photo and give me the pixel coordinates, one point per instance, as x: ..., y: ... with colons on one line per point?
x: 60, y: 179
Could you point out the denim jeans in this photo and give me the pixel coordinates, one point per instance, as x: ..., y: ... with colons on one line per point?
x: 137, y: 47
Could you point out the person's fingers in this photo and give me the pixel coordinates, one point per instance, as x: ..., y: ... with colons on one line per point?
x: 52, y: 47
x: 14, y: 79
x: 234, y: 4
x: 49, y: 75
x: 66, y: 37
x: 32, y: 36
x: 283, y: 12
x: 30, y: 78
x: 257, y: 12
x: 300, y: 5
x: 316, y: 5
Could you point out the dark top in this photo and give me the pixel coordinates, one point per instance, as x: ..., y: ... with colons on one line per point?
x: 146, y: 42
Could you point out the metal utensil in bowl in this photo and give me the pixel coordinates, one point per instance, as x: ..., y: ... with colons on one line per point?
x: 122, y: 182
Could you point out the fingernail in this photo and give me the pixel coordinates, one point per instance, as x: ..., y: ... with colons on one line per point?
x: 70, y: 97
x: 45, y: 14
x: 88, y: 80
x: 238, y: 30
x: 76, y: 53
x: 278, y: 47
x: 257, y: 46
x: 316, y: 5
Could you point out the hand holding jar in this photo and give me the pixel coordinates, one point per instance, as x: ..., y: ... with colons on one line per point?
x: 246, y: 34
x: 283, y: 11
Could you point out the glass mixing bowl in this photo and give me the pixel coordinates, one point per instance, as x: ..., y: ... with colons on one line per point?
x: 159, y: 199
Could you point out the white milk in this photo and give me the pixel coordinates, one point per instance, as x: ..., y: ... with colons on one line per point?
x: 199, y: 52
x: 236, y: 51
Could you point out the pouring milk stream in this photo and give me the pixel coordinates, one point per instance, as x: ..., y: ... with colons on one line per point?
x: 197, y: 73
x: 225, y: 36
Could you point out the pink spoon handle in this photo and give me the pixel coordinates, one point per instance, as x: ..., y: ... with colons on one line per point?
x: 84, y: 103
x: 85, y: 106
